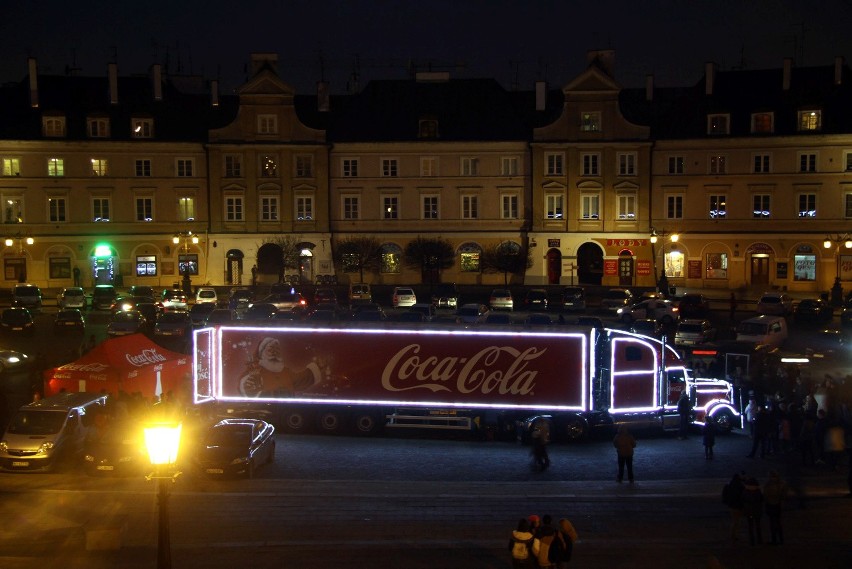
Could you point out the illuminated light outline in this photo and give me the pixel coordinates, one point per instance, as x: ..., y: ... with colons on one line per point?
x: 795, y: 360
x: 642, y: 340
x: 218, y: 373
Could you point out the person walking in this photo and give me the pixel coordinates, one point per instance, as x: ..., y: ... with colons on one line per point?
x: 520, y: 545
x: 708, y: 437
x: 541, y: 436
x: 774, y: 493
x: 624, y: 444
x: 562, y: 547
x: 753, y: 509
x: 684, y: 410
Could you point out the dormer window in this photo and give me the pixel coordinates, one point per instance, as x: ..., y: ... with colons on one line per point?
x: 142, y: 128
x: 810, y: 120
x: 98, y: 127
x: 428, y: 128
x: 53, y: 126
x: 718, y: 124
x: 267, y: 124
x: 590, y: 122
x: 762, y: 123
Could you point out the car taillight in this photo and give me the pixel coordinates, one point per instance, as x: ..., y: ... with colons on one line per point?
x: 302, y: 302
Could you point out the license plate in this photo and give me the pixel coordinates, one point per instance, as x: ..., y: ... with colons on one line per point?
x: 214, y: 471
x: 70, y: 323
x: 17, y: 329
x: 105, y: 467
x: 20, y: 463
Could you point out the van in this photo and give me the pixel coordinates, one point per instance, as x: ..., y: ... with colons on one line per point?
x: 360, y: 292
x: 764, y: 329
x: 103, y: 296
x: 27, y: 296
x: 43, y: 433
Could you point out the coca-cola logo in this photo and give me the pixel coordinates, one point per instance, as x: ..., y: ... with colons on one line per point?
x: 493, y: 369
x: 94, y: 367
x: 147, y: 357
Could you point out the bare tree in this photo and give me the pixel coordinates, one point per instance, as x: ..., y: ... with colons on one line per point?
x: 507, y: 257
x: 358, y: 254
x: 290, y: 250
x: 429, y: 255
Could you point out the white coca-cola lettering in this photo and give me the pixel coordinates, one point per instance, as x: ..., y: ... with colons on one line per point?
x: 145, y: 358
x: 479, y: 373
x: 92, y: 367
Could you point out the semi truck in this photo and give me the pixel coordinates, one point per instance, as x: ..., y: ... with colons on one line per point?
x: 363, y: 380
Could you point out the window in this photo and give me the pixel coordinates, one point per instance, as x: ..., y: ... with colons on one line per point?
x: 469, y: 254
x: 470, y: 207
x: 717, y: 265
x: 143, y: 168
x: 233, y: 166
x: 762, y: 164
x: 53, y: 126
x: 676, y: 164
x: 144, y: 209
x: 146, y: 266
x: 13, y: 209
x: 55, y: 167
x: 304, y: 166
x: 591, y: 164
x: 509, y: 166
x: 350, y: 167
x: 590, y: 206
x: 848, y: 205
x: 391, y: 256
x: 554, y: 206
x: 807, y: 205
x: 762, y: 123
x: 304, y: 208
x: 188, y: 263
x: 234, y: 208
x: 469, y: 166
x: 351, y: 207
x: 627, y: 207
x: 509, y: 209
x: 674, y: 207
x: 430, y: 207
x: 99, y: 167
x: 717, y: 124
x: 100, y: 209
x: 627, y: 164
x: 267, y: 124
x: 268, y: 166
x: 429, y: 166
x: 428, y: 128
x: 804, y: 267
x: 810, y: 120
x: 98, y: 128
x: 554, y: 164
x: 185, y: 167
x: 847, y: 160
x: 390, y: 207
x: 807, y: 162
x: 56, y: 208
x: 60, y: 267
x: 186, y: 208
x: 269, y: 208
x: 390, y: 167
x: 718, y: 207
x: 761, y: 207
x: 142, y: 128
x: 11, y: 167
x: 718, y: 164
x: 590, y: 122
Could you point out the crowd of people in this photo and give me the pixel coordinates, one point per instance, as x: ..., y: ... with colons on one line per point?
x: 536, y: 542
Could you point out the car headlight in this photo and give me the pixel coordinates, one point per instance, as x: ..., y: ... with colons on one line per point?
x: 4, y: 446
x: 241, y: 460
x: 45, y: 447
x: 89, y: 458
x: 620, y: 311
x: 125, y: 459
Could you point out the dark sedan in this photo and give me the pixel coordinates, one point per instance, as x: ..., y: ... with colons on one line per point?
x: 115, y: 448
x: 17, y: 320
x: 173, y: 324
x: 236, y: 446
x: 814, y: 310
x: 125, y: 323
x: 69, y: 320
x: 199, y: 312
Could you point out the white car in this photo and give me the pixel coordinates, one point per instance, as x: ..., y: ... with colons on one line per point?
x: 403, y: 296
x: 663, y: 311
x: 71, y: 297
x: 775, y: 303
x: 206, y: 294
x: 616, y: 298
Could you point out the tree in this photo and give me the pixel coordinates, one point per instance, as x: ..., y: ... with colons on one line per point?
x: 358, y: 254
x: 430, y: 256
x: 291, y: 252
x: 507, y: 258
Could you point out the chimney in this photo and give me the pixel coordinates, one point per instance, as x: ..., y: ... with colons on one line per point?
x: 157, y: 81
x: 649, y: 88
x: 709, y: 77
x: 259, y: 61
x: 604, y: 59
x: 323, y: 101
x: 113, y: 83
x: 33, y: 71
x: 540, y: 95
x: 788, y: 71
x: 838, y: 70
x: 214, y: 93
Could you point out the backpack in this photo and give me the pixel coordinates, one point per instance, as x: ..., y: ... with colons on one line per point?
x: 519, y: 549
x: 544, y: 549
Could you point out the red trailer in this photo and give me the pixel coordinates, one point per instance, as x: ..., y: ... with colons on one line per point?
x: 365, y: 379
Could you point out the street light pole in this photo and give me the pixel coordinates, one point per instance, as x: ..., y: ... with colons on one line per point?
x: 663, y: 283
x: 846, y: 241
x: 186, y: 237
x: 163, y: 442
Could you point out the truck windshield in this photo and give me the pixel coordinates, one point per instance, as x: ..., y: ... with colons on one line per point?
x: 37, y: 422
x: 752, y: 329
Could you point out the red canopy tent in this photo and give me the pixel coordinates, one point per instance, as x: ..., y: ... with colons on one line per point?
x: 130, y: 363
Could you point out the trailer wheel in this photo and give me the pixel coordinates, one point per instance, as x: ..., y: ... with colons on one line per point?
x: 295, y: 421
x: 329, y: 422
x: 574, y: 428
x: 365, y: 424
x: 724, y: 421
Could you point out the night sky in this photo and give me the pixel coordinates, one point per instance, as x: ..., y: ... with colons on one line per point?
x: 517, y: 42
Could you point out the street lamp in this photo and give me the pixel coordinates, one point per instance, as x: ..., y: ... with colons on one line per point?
x: 663, y: 283
x: 163, y: 441
x: 185, y: 237
x: 846, y: 241
x: 21, y: 240
x: 20, y: 264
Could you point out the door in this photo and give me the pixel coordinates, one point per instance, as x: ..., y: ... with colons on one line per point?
x: 554, y: 266
x: 589, y: 264
x: 625, y: 270
x: 759, y: 270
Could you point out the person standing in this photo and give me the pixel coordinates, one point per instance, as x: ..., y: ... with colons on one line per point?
x: 751, y: 414
x: 732, y: 496
x: 684, y: 410
x: 753, y: 509
x: 774, y: 493
x: 76, y: 272
x: 624, y: 444
x: 520, y: 545
x: 562, y: 547
x: 544, y: 536
x: 541, y: 436
x: 709, y: 437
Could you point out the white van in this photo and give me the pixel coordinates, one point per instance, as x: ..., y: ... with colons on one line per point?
x: 43, y: 432
x: 764, y: 329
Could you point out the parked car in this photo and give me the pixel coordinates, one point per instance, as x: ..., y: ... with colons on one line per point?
x: 403, y: 296
x: 663, y: 311
x: 199, y: 312
x: 573, y: 298
x: 124, y: 304
x: 284, y: 301
x: 360, y: 292
x: 69, y: 320
x: 616, y: 298
x: 27, y: 296
x: 368, y: 312
x: 324, y: 312
x: 536, y: 299
x: 445, y: 295
x: 219, y: 316
x: 142, y: 290
x: 325, y: 295
x: 115, y: 448
x: 206, y: 295
x: 538, y: 319
x: 259, y: 311
x: 240, y: 298
x: 592, y: 321
x: 500, y: 318
x: 236, y: 446
x: 827, y: 344
x: 427, y: 310
x: 813, y: 310
x: 173, y: 324
x: 694, y: 305
x: 71, y: 297
x: 775, y: 303
x: 173, y: 300
x: 103, y: 296
x: 647, y: 327
x: 17, y: 320
x: 124, y: 323
x: 151, y: 311
x: 472, y: 313
x: 501, y: 299
x: 693, y: 332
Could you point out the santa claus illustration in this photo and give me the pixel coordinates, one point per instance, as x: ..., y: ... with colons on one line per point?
x: 268, y: 376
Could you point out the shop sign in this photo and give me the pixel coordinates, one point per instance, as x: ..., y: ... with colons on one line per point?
x: 610, y: 267
x: 643, y: 267
x: 554, y: 242
x: 626, y: 242
x: 693, y: 269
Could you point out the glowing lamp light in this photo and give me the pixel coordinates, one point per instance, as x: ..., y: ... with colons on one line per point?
x: 9, y: 242
x: 163, y: 441
x: 103, y: 251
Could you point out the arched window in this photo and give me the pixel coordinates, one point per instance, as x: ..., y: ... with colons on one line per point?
x: 391, y: 255
x: 469, y: 254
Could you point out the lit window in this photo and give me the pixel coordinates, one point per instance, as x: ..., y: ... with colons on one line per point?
x: 590, y: 122
x: 718, y: 207
x: 627, y: 207
x: 55, y: 167
x: 554, y: 206
x: 186, y: 208
x: 469, y: 254
x: 761, y: 206
x: 590, y: 205
x: 146, y: 266
x: 807, y: 205
x: 144, y: 209
x: 268, y: 166
x: 99, y: 167
x: 13, y: 209
x: 11, y: 167
x: 810, y: 120
x: 390, y: 207
x: 142, y: 128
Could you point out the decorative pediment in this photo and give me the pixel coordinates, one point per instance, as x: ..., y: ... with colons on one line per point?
x: 591, y: 80
x: 304, y: 188
x: 625, y: 185
x: 589, y: 185
x: 234, y: 188
x: 269, y: 187
x: 266, y: 83
x: 553, y: 185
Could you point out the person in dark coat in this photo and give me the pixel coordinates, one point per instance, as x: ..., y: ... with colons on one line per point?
x: 708, y: 437
x: 732, y: 496
x: 761, y: 432
x: 624, y: 444
x: 753, y: 509
x: 563, y: 544
x: 684, y: 410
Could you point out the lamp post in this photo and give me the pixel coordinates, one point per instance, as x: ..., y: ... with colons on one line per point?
x: 844, y: 240
x: 163, y: 441
x: 663, y: 282
x: 185, y: 237
x: 20, y: 240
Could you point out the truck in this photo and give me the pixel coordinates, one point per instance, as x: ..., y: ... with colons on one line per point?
x: 360, y: 379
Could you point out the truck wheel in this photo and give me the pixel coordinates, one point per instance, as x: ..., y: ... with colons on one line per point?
x: 724, y: 421
x: 329, y: 422
x: 295, y: 421
x: 574, y: 428
x: 366, y: 424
